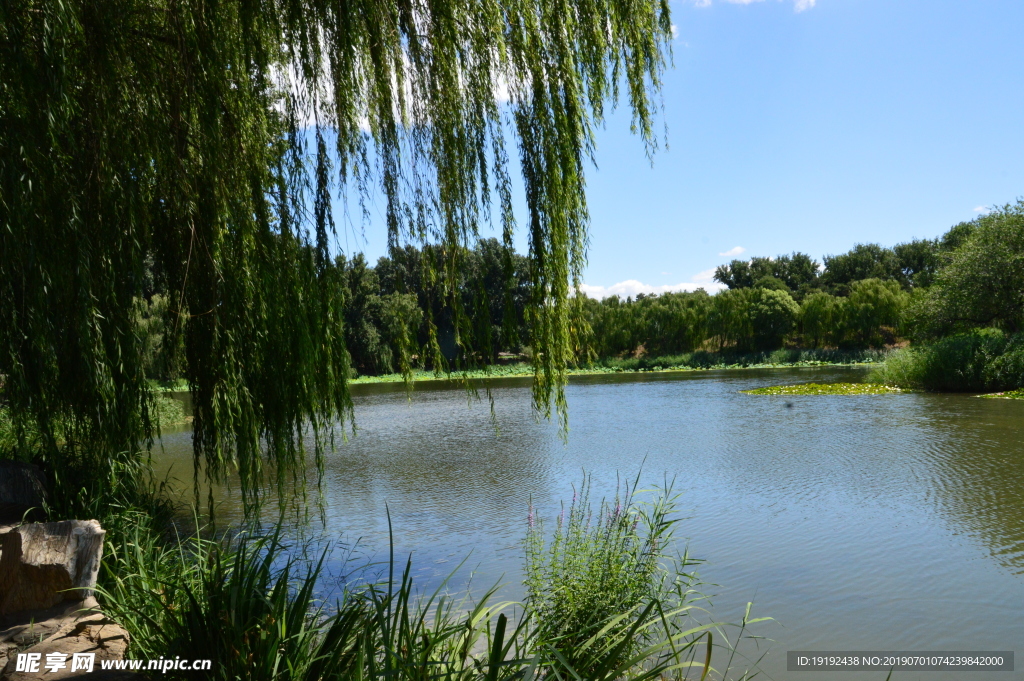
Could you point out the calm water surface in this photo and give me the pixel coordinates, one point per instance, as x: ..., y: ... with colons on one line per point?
x: 892, y: 522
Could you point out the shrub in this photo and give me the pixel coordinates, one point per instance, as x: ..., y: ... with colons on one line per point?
x: 958, y: 363
x: 1006, y: 372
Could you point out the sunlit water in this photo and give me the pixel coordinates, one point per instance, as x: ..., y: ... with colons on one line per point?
x: 888, y: 522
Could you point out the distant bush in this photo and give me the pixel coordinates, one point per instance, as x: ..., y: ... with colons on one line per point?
x: 716, y: 360
x: 977, y: 361
x: 1006, y: 372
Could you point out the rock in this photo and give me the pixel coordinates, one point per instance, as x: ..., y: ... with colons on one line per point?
x: 70, y: 628
x: 29, y: 627
x: 42, y: 564
x: 22, y: 487
x: 47, y: 572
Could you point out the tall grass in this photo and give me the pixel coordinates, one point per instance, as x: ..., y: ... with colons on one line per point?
x: 608, y: 600
x: 232, y: 605
x: 605, y: 600
x: 235, y: 603
x: 978, y: 361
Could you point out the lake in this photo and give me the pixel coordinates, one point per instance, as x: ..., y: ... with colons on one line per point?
x: 876, y: 522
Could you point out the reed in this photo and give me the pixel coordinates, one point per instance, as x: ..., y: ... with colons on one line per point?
x: 978, y: 361
x: 605, y: 601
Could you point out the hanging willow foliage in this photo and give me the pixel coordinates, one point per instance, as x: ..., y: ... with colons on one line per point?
x: 194, y: 137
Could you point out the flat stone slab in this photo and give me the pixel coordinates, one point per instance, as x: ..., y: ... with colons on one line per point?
x: 61, y: 632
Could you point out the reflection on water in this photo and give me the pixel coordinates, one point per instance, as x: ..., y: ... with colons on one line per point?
x: 857, y: 522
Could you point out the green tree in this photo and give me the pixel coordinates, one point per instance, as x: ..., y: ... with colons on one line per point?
x: 197, y: 134
x: 773, y: 314
x: 772, y: 283
x: 863, y: 261
x: 981, y: 284
x: 797, y: 272
x: 821, y: 316
x: 874, y: 311
x: 367, y: 346
x: 956, y: 236
x: 918, y: 260
x: 730, y: 321
x: 737, y: 274
x: 400, y: 320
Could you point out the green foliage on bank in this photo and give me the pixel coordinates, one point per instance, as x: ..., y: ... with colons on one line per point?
x: 732, y: 360
x: 692, y: 361
x: 911, y: 265
x: 826, y: 389
x: 397, y: 321
x: 400, y: 321
x: 981, y: 283
x: 747, y: 320
x: 969, y: 325
x: 983, y: 360
x: 168, y: 412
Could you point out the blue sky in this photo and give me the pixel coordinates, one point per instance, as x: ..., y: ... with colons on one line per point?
x: 807, y: 125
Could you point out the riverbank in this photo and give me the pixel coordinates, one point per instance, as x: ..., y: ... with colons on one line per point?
x: 695, y: 361
x: 691, y: 361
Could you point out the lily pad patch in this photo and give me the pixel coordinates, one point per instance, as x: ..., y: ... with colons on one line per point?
x: 827, y: 389
x: 1008, y: 395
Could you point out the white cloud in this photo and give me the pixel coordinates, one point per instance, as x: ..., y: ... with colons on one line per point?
x: 801, y: 5
x: 733, y: 251
x: 708, y: 277
x: 981, y: 209
x: 631, y: 287
x: 675, y: 31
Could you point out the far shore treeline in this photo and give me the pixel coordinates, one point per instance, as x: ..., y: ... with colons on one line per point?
x: 397, y: 316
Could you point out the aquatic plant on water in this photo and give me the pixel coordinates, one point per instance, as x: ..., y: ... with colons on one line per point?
x: 826, y: 389
x: 1008, y: 395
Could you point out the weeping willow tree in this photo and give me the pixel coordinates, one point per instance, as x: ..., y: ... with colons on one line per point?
x: 202, y: 141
